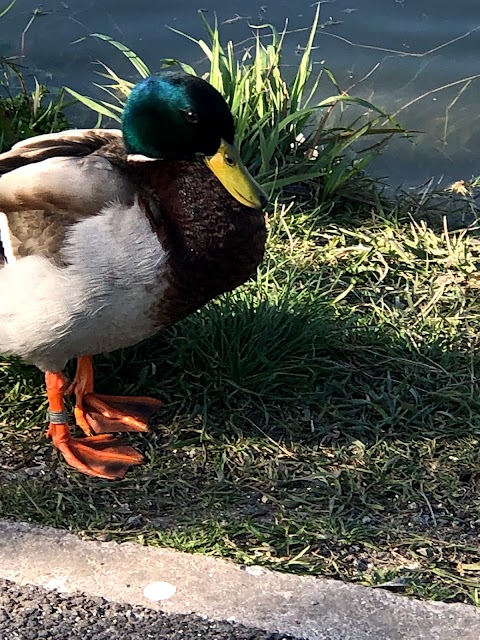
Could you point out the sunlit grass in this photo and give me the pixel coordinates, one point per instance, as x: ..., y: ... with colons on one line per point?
x: 321, y: 419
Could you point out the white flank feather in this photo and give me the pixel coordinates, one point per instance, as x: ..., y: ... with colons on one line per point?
x: 100, y: 302
x: 6, y: 240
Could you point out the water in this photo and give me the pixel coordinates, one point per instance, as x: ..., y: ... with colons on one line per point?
x: 391, y: 52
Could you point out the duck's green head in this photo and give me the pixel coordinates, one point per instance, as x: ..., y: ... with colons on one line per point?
x: 177, y: 116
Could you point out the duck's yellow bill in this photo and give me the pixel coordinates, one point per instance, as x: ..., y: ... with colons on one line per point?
x: 231, y: 172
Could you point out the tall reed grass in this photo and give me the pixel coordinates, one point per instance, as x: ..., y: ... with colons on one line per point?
x: 285, y: 131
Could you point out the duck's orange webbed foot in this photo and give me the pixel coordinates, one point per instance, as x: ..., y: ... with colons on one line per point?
x: 101, y: 456
x: 100, y: 414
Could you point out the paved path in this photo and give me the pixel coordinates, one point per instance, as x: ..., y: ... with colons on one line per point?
x: 33, y: 613
x: 129, y: 575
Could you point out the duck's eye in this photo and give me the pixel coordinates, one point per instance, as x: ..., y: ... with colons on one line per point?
x: 191, y: 116
x: 229, y: 161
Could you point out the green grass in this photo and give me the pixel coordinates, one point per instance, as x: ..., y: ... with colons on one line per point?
x: 25, y: 113
x: 322, y: 419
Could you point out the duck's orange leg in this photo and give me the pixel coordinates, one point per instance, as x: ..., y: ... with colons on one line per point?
x: 96, y: 413
x: 101, y: 456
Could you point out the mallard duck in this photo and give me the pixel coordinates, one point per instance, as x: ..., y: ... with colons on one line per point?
x: 109, y: 236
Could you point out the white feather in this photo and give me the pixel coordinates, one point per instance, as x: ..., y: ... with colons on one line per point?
x: 6, y: 240
x: 101, y: 302
x: 139, y: 157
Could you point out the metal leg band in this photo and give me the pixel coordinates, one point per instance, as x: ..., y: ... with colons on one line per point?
x: 57, y: 417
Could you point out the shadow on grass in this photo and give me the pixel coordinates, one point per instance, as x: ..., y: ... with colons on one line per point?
x: 290, y: 438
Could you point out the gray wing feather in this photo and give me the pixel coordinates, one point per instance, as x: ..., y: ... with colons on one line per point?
x: 51, y: 182
x: 75, y: 142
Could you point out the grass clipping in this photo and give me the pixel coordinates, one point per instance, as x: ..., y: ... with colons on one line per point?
x: 323, y: 419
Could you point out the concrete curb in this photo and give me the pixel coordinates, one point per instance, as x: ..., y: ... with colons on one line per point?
x: 305, y: 607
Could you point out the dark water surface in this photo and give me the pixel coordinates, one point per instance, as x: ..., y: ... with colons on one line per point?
x: 393, y: 52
